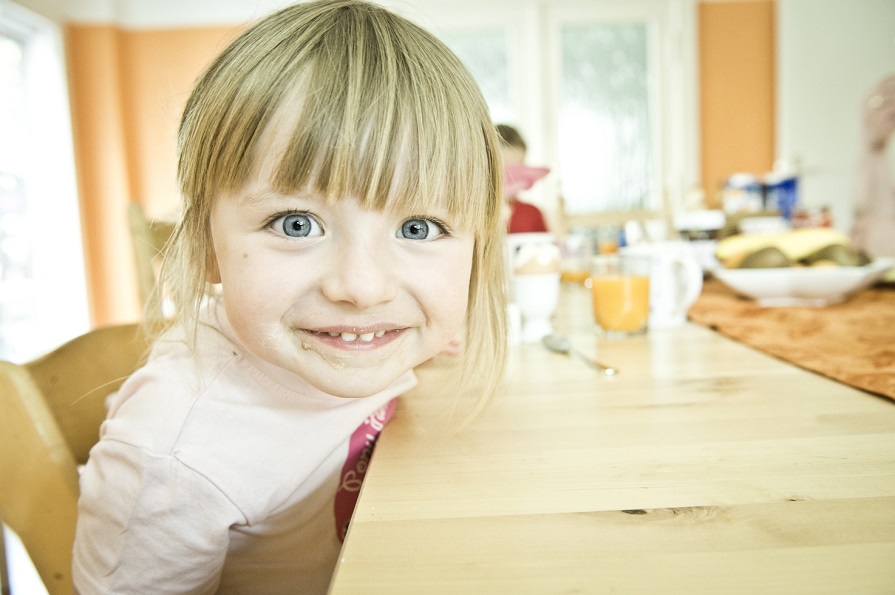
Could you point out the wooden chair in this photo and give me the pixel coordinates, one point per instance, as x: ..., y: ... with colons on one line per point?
x: 149, y: 237
x: 52, y: 409
x: 4, y: 567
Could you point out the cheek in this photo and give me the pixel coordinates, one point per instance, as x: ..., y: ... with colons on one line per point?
x: 255, y: 307
x: 251, y: 287
x: 259, y: 282
x: 448, y: 288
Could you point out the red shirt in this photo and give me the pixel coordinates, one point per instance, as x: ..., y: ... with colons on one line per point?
x: 525, y: 218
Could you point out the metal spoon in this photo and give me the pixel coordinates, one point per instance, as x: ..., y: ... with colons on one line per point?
x: 561, y: 344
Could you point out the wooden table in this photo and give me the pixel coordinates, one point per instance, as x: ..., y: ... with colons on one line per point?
x: 852, y: 342
x: 704, y: 467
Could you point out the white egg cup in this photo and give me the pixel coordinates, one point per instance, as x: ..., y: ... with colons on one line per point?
x: 536, y: 296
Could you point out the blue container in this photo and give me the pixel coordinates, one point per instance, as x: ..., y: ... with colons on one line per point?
x: 783, y: 196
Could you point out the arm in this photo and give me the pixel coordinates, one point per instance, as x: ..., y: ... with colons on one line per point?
x: 147, y: 523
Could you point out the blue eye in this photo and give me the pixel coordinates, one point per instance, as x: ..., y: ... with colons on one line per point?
x: 297, y: 225
x: 419, y: 229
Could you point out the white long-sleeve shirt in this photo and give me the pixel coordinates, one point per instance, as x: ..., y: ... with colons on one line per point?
x: 222, y: 474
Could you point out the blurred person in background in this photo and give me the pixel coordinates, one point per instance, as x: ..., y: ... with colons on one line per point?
x: 523, y: 217
x: 874, y: 226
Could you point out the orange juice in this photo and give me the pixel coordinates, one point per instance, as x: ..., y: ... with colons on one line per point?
x: 607, y: 247
x: 621, y: 302
x: 578, y: 277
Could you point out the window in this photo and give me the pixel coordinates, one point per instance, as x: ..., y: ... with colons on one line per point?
x: 604, y: 92
x: 605, y: 140
x: 485, y: 54
x: 42, y: 285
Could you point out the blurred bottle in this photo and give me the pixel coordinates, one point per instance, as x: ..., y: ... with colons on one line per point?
x: 781, y: 193
x: 742, y: 193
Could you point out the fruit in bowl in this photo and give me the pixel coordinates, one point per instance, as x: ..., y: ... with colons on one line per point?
x: 798, y: 247
x: 801, y: 267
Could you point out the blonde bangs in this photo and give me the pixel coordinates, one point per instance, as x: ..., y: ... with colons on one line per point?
x: 389, y: 130
x: 377, y: 110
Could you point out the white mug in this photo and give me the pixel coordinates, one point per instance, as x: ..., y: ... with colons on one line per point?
x: 675, y: 280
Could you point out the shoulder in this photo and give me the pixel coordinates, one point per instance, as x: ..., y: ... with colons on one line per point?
x: 156, y: 401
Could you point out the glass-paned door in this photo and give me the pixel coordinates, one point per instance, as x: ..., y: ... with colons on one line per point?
x: 485, y: 52
x: 606, y: 138
x: 603, y: 92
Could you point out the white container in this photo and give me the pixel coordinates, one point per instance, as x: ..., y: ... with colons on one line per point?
x: 536, y: 297
x: 675, y: 280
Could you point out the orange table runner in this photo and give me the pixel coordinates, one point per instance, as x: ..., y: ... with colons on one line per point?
x: 852, y: 342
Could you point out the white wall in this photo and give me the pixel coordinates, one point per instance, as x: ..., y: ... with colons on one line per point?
x: 830, y: 53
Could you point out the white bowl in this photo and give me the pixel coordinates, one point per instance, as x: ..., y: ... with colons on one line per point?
x: 803, y: 286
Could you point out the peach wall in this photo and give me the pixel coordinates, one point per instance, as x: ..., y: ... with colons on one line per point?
x: 127, y: 91
x: 737, y: 89
x: 100, y: 156
x: 158, y: 72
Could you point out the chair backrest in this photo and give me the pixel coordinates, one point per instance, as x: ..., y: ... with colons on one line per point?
x: 565, y: 222
x: 149, y: 237
x: 37, y: 496
x: 75, y: 379
x: 4, y: 567
x: 52, y: 409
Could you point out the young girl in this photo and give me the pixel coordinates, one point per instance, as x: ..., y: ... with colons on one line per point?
x: 341, y: 222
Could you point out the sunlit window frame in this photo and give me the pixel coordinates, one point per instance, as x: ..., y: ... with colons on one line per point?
x: 58, y: 291
x: 532, y: 30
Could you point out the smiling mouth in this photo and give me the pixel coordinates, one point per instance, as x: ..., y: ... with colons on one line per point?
x: 351, y: 337
x: 355, y: 340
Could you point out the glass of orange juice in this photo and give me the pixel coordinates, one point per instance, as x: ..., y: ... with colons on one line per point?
x: 620, y: 290
x: 576, y: 250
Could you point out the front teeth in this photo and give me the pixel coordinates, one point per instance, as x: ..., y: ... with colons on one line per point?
x: 349, y: 337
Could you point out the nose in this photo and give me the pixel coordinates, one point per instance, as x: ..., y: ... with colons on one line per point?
x: 361, y: 274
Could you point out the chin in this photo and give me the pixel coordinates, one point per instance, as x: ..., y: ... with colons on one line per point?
x: 352, y: 387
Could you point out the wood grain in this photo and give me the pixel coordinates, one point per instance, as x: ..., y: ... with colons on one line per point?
x: 705, y: 466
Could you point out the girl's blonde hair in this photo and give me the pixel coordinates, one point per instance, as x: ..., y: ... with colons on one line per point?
x: 379, y: 110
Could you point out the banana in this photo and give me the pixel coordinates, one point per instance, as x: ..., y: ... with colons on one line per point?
x: 795, y: 244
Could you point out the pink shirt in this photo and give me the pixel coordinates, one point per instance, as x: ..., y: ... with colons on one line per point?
x: 222, y: 474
